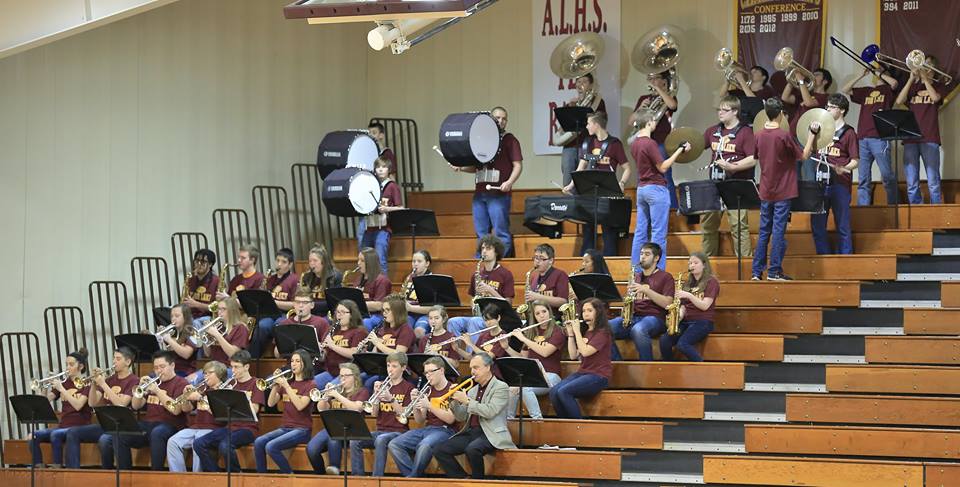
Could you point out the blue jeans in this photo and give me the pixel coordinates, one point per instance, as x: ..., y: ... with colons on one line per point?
x: 375, y: 320
x: 273, y: 444
x: 874, y: 149
x: 56, y: 437
x: 838, y: 201
x: 530, y: 400
x: 178, y: 444
x: 642, y: 331
x: 218, y: 439
x: 691, y: 333
x: 378, y: 441
x: 564, y: 395
x: 653, y: 214
x: 459, y: 325
x: 75, y: 436
x: 321, y: 442
x: 421, y: 441
x: 773, y: 226
x: 569, y: 160
x: 930, y: 153
x: 261, y: 335
x: 378, y: 240
x: 491, y: 214
x: 672, y: 188
x: 155, y: 434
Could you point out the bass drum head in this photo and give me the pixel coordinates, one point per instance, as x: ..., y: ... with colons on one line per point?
x: 469, y: 139
x: 346, y: 148
x: 351, y: 192
x: 698, y: 197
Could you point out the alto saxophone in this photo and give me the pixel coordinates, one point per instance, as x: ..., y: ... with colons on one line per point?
x: 568, y: 311
x: 627, y: 312
x: 185, y: 291
x: 476, y: 289
x: 673, y: 309
x: 522, y: 309
x: 221, y: 287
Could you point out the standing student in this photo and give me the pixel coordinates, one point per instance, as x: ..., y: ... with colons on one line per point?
x: 813, y: 97
x: 349, y: 394
x: 379, y: 134
x: 698, y: 298
x: 296, y: 423
x: 924, y: 97
x: 590, y: 341
x: 587, y: 96
x: 76, y: 412
x: 374, y: 230
x: 871, y: 148
x: 660, y: 89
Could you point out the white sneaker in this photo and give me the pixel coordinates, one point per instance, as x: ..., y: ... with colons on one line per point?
x: 333, y: 471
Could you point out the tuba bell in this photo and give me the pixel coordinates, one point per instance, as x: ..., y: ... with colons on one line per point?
x: 656, y: 52
x: 784, y: 61
x: 577, y: 55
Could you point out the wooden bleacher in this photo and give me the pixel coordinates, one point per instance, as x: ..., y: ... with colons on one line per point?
x: 873, y: 409
x: 853, y: 440
x: 779, y: 470
x: 893, y: 379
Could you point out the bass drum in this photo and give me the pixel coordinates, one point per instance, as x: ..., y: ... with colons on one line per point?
x: 469, y: 139
x: 346, y: 148
x: 698, y: 197
x: 351, y: 192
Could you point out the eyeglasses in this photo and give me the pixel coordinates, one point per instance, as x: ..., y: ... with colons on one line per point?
x: 540, y: 257
x: 346, y: 375
x: 428, y: 372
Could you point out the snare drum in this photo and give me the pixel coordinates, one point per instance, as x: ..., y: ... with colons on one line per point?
x: 351, y: 192
x: 469, y: 139
x: 697, y: 197
x: 346, y: 148
x: 811, y: 198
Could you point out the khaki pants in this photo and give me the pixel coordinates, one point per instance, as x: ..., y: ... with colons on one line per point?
x: 710, y: 224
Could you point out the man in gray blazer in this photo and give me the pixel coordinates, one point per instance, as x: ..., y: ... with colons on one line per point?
x: 483, y: 410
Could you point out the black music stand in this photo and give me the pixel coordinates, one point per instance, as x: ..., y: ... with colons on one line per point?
x: 600, y: 286
x: 228, y: 405
x: 345, y: 425
x: 142, y: 344
x: 434, y: 289
x: 161, y: 316
x: 413, y: 222
x: 258, y: 303
x: 741, y: 194
x: 521, y: 372
x: 291, y: 337
x: 600, y: 183
x: 572, y: 119
x: 31, y: 410
x: 416, y: 360
x: 894, y: 125
x: 118, y: 420
x: 371, y: 363
x: 336, y: 294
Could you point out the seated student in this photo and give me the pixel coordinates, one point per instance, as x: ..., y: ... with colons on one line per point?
x: 349, y: 394
x: 593, y: 263
x: 296, y: 423
x: 418, y: 314
x: 321, y: 275
x: 303, y: 307
x: 388, y: 407
x: 241, y: 433
x: 486, y: 342
x: 76, y: 412
x: 589, y: 340
x: 490, y: 280
x: 340, y: 345
x: 374, y: 283
x: 249, y: 277
x: 438, y: 341
x: 220, y: 346
x: 374, y: 231
x: 159, y: 424
x: 547, y: 283
x: 282, y: 284
x: 200, y: 420
x: 107, y: 389
x: 201, y: 286
x: 699, y: 299
x: 652, y: 290
x: 395, y: 335
x: 545, y: 344
x: 180, y: 342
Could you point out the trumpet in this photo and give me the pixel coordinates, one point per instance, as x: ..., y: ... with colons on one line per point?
x: 442, y: 401
x: 264, y: 384
x: 201, y: 336
x: 97, y: 371
x: 374, y: 401
x: 403, y: 417
x: 145, y: 382
x: 167, y: 330
x: 784, y: 61
x: 316, y: 395
x: 174, y: 404
x: 226, y: 385
x: 47, y: 382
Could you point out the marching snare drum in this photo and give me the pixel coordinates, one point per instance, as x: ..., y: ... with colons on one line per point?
x: 346, y: 148
x: 698, y: 197
x: 351, y: 191
x: 469, y: 139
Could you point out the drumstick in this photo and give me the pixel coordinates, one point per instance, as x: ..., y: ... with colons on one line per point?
x: 556, y: 184
x: 437, y: 150
x: 489, y: 187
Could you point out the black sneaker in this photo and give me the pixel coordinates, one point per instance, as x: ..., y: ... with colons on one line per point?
x: 779, y: 277
x: 756, y: 277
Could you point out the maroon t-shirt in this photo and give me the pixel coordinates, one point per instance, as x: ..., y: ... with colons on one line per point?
x: 737, y: 145
x: 392, y: 337
x: 377, y: 289
x: 430, y: 339
x: 777, y: 154
x: 712, y: 290
x: 924, y: 108
x: 614, y: 151
x: 663, y: 127
x: 238, y: 337
x: 69, y: 416
x: 551, y: 363
x: 255, y: 396
x: 123, y: 386
x: 293, y: 417
x: 186, y: 365
x: 871, y: 99
x: 239, y: 283
x: 662, y: 283
x: 389, y: 196
x: 387, y: 417
x: 840, y: 152
x: 495, y: 349
x: 432, y: 420
x: 283, y: 287
x: 156, y: 412
x: 500, y: 278
x: 821, y: 99
x: 317, y: 322
x: 201, y: 418
x: 203, y: 290
x: 361, y: 394
x: 342, y: 338
x: 647, y: 155
x: 598, y: 363
x: 503, y: 162
x: 556, y: 283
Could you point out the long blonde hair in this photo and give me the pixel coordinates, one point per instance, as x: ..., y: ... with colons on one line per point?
x: 693, y: 285
x: 235, y: 314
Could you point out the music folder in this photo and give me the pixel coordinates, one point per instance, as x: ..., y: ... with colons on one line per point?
x: 600, y: 286
x: 572, y: 119
x: 336, y: 294
x: 371, y: 363
x: 142, y: 345
x: 258, y: 303
x: 434, y: 289
x: 293, y: 336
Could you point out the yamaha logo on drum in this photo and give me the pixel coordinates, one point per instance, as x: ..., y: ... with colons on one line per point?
x: 335, y: 188
x: 327, y: 153
x: 453, y: 133
x: 556, y: 207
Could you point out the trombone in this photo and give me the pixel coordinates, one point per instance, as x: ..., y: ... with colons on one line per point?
x: 145, y: 382
x: 47, y: 382
x: 784, y: 61
x: 201, y: 336
x: 264, y: 384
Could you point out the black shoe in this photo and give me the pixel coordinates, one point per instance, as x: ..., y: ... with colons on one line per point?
x: 756, y: 277
x: 779, y: 277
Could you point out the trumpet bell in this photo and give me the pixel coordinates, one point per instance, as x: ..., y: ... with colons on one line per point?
x: 577, y: 55
x: 657, y: 51
x: 680, y: 135
x: 827, y: 127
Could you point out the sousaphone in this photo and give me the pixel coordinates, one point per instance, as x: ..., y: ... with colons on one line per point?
x: 577, y: 55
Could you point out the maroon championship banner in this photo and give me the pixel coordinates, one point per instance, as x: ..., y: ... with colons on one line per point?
x: 766, y: 26
x: 927, y: 25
